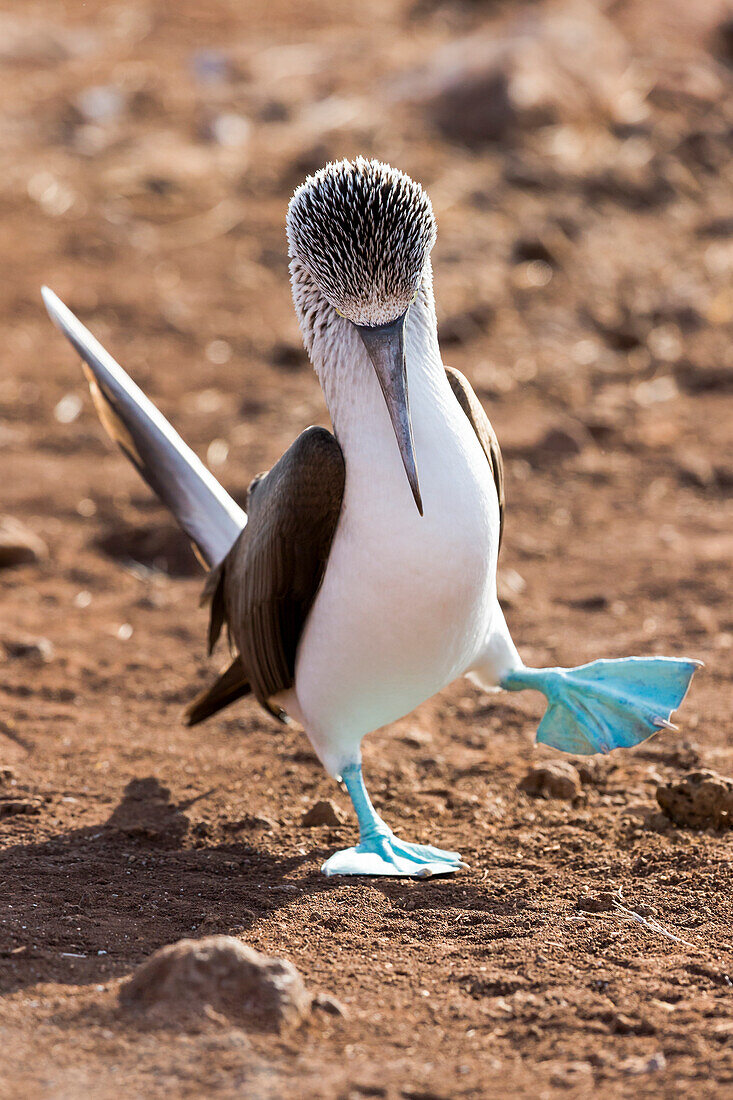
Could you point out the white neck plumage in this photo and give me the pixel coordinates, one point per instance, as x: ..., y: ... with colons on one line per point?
x: 350, y: 387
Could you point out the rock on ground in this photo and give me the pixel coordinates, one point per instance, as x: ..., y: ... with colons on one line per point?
x: 18, y: 544
x: 324, y: 812
x: 192, y: 977
x: 601, y: 902
x: 556, y: 780
x: 569, y: 65
x: 35, y: 650
x: 701, y: 800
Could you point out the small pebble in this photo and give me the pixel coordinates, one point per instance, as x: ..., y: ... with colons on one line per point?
x: 68, y: 409
x: 100, y: 103
x: 210, y: 66
x: 601, y: 902
x: 555, y: 780
x: 510, y: 585
x: 18, y: 806
x: 324, y: 812
x: 18, y: 544
x: 217, y: 452
x: 36, y: 650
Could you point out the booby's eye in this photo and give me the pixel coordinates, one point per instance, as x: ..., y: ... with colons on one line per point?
x: 340, y: 313
x: 414, y: 297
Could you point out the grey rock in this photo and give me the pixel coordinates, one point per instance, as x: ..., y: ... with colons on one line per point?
x: 219, y: 974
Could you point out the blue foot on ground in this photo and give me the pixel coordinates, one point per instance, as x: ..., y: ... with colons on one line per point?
x: 388, y: 855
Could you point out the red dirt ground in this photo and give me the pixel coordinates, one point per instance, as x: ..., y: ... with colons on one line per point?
x: 583, y: 274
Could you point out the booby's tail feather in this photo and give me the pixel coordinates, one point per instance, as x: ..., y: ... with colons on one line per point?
x: 231, y: 685
x: 202, y: 507
x: 606, y: 704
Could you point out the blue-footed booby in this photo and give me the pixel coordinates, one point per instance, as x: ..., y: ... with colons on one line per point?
x: 363, y: 578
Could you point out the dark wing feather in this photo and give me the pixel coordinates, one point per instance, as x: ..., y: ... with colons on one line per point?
x: 213, y: 595
x: 270, y: 578
x: 481, y: 424
x: 232, y: 684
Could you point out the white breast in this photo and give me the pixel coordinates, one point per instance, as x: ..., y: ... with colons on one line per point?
x: 406, y: 601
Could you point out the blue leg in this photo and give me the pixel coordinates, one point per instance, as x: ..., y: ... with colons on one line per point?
x: 379, y: 851
x: 606, y: 704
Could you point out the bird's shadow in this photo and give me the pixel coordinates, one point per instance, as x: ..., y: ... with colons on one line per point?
x: 84, y: 906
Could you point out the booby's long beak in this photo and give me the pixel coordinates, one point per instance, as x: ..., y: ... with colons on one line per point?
x: 386, y: 347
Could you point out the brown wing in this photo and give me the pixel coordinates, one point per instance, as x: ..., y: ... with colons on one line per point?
x: 232, y: 684
x: 266, y: 585
x: 481, y: 424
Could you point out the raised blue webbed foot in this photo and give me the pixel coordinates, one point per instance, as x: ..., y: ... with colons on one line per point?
x: 379, y: 851
x: 388, y: 855
x: 607, y: 704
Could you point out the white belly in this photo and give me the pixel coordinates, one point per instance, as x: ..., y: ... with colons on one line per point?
x: 407, y: 601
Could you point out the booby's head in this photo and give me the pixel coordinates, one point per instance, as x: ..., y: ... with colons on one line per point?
x: 360, y: 234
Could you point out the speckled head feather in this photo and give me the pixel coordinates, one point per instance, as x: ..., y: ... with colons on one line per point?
x: 363, y: 232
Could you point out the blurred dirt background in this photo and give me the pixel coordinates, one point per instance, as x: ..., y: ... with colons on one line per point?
x: 578, y: 155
